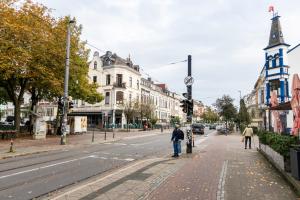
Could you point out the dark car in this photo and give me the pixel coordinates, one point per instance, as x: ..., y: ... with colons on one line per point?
x: 198, y: 128
x: 212, y: 126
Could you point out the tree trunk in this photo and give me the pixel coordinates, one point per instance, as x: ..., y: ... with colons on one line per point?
x: 17, y: 116
x: 34, y: 101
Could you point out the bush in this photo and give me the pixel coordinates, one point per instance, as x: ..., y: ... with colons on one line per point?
x: 279, y: 143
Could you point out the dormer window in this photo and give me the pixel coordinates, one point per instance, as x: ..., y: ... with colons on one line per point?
x: 95, y: 65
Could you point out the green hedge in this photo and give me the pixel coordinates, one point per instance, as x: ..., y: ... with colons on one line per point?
x: 279, y: 143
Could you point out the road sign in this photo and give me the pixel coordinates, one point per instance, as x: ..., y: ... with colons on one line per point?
x: 188, y: 80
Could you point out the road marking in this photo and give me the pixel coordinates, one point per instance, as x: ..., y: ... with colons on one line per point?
x: 114, y: 158
x: 221, y: 186
x: 44, y: 167
x: 101, y: 179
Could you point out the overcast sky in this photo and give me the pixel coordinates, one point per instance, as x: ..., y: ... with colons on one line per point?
x: 224, y: 37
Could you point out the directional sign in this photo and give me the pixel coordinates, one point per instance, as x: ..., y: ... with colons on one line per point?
x: 188, y: 80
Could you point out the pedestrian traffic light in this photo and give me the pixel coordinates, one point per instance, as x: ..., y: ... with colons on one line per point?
x: 184, y: 105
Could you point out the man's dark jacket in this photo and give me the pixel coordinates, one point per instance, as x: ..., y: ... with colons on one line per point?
x: 177, y: 135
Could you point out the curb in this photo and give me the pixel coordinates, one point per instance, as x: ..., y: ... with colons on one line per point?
x: 287, y: 176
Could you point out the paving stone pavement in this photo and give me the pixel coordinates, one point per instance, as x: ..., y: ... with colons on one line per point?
x: 135, y: 181
x: 224, y: 170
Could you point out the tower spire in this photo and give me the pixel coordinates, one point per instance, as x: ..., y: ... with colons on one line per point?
x: 276, y: 36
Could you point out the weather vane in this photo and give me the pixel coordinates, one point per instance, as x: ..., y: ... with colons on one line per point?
x: 271, y: 9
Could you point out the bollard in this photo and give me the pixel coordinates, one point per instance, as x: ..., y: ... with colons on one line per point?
x: 161, y: 129
x: 11, y: 149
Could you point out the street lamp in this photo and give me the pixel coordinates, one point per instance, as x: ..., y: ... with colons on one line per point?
x: 63, y: 140
x: 240, y: 94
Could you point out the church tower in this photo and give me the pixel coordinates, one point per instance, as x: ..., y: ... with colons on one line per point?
x: 276, y: 64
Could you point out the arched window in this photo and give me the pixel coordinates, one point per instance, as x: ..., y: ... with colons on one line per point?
x: 95, y: 65
x: 119, y: 97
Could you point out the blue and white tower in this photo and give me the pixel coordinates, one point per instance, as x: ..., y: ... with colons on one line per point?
x: 276, y: 65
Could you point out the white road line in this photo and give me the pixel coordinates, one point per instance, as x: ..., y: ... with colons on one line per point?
x: 101, y: 179
x: 114, y: 158
x: 44, y: 167
x: 221, y: 185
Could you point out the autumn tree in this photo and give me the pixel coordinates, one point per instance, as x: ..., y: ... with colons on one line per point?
x: 225, y: 108
x: 32, y: 56
x: 210, y: 115
x: 243, y: 116
x: 130, y: 111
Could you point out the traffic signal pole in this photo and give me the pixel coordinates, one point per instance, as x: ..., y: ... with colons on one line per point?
x: 189, y: 114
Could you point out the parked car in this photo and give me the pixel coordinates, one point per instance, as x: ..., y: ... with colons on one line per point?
x: 198, y: 128
x: 223, y: 130
x: 212, y: 126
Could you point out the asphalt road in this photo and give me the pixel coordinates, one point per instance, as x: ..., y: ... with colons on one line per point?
x: 36, y: 175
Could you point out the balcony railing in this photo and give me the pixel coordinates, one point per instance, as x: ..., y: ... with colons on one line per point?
x: 119, y: 85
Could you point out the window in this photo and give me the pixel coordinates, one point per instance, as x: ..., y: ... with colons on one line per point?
x: 138, y: 84
x: 49, y: 112
x: 130, y: 98
x: 130, y: 81
x: 108, y: 79
x: 95, y: 65
x: 107, y: 98
x: 119, y: 97
x: 94, y: 79
x: 119, y: 79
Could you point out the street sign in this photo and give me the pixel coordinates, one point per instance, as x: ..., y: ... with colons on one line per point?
x: 188, y: 80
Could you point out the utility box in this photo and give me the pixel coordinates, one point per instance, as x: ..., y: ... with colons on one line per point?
x: 39, y: 128
x: 78, y: 124
x: 295, y: 163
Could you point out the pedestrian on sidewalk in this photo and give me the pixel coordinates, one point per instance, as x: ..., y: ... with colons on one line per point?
x: 181, y: 137
x: 176, y: 135
x: 247, y: 134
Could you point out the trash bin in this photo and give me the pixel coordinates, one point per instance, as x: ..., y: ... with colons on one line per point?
x: 295, y: 162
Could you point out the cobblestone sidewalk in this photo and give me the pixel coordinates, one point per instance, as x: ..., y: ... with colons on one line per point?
x: 225, y: 170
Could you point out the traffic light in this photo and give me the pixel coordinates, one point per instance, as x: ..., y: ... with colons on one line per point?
x: 190, y: 107
x: 60, y: 104
x: 184, y: 105
x: 71, y: 105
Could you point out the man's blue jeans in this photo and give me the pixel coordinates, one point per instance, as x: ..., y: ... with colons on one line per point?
x: 179, y: 146
x: 175, y: 146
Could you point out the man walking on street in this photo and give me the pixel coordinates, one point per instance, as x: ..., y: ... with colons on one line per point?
x: 248, y: 133
x: 176, y: 135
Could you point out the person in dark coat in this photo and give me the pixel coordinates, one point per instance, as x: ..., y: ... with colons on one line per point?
x: 176, y: 136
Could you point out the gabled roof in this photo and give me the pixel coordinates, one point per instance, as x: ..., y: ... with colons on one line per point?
x: 276, y: 36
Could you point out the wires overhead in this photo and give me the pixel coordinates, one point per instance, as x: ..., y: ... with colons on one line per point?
x: 95, y: 47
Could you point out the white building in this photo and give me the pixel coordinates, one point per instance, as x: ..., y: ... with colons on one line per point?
x: 120, y: 81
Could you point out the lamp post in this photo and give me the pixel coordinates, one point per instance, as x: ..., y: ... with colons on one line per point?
x: 63, y: 140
